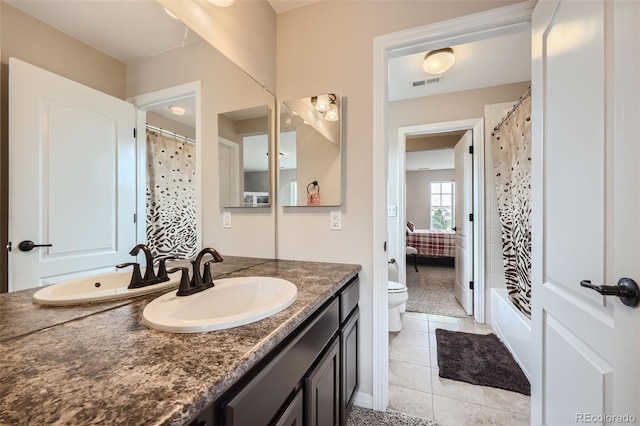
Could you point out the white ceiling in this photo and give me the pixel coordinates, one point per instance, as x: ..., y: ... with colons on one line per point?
x: 189, y: 103
x: 491, y: 62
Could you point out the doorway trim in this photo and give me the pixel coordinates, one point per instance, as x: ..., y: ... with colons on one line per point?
x: 411, y: 40
x: 143, y: 103
x: 476, y: 125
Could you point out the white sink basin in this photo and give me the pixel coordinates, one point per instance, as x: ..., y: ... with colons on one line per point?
x: 231, y: 303
x: 97, y: 288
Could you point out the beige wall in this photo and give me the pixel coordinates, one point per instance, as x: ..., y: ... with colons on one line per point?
x: 419, y: 194
x: 245, y: 33
x: 341, y: 59
x: 224, y: 88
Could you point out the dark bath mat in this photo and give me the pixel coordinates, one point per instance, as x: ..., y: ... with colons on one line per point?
x: 480, y: 360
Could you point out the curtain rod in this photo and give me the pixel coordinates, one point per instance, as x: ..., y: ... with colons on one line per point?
x: 513, y: 109
x: 167, y: 132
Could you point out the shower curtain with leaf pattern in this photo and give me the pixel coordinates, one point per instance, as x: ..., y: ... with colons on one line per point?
x: 171, y: 196
x: 511, y: 147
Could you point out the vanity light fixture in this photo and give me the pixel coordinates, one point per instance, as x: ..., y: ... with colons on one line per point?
x: 322, y: 103
x: 177, y: 109
x: 332, y: 113
x: 326, y: 104
x: 439, y: 60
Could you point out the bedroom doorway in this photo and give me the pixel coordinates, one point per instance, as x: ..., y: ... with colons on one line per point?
x: 438, y: 182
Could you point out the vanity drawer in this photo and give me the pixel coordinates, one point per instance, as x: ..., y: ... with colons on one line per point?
x: 259, y: 401
x: 349, y: 297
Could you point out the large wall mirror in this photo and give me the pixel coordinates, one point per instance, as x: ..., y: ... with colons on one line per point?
x: 310, y: 154
x: 158, y: 53
x: 243, y: 155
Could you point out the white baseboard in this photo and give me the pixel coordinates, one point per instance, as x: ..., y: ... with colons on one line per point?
x: 364, y: 400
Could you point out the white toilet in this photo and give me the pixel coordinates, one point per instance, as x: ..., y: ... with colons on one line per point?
x: 397, y: 297
x: 397, y: 304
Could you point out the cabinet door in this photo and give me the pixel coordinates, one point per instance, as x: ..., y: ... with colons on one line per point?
x: 322, y: 389
x: 293, y: 415
x: 349, y: 351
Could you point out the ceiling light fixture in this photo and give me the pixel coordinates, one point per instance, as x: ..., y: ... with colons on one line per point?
x: 438, y: 61
x: 177, y: 110
x: 221, y: 3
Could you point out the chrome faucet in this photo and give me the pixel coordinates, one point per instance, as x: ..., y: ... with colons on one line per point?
x: 198, y: 282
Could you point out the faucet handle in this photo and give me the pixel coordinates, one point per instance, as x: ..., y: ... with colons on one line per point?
x: 136, y: 276
x: 162, y: 267
x: 206, y: 276
x: 185, y: 288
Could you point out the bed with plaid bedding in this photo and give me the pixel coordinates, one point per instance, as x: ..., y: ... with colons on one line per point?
x: 433, y: 242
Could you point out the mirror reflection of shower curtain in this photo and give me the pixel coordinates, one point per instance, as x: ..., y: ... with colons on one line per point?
x: 511, y: 147
x: 171, y: 196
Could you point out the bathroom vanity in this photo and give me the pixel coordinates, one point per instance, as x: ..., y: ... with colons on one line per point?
x: 99, y: 364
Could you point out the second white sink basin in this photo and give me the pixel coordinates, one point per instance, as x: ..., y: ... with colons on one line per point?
x: 231, y: 303
x: 97, y: 288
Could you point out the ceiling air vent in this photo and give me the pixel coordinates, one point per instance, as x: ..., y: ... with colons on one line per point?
x: 433, y: 80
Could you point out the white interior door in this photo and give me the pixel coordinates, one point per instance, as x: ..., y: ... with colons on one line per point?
x: 228, y: 153
x: 464, y: 227
x: 585, y: 99
x: 72, y: 177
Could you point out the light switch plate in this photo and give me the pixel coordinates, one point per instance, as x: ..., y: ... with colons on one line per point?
x: 393, y: 211
x: 226, y: 219
x: 335, y: 221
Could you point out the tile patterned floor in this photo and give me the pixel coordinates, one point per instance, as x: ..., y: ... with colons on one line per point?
x: 416, y: 389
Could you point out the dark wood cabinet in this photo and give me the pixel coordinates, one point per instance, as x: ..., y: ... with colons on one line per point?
x: 349, y: 363
x: 294, y: 413
x: 322, y: 389
x: 310, y: 379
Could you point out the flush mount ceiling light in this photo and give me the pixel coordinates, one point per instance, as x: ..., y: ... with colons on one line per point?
x: 221, y: 3
x: 177, y: 110
x: 438, y: 61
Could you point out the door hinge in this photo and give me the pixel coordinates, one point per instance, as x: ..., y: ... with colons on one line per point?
x: 385, y: 246
x: 134, y: 132
x: 135, y: 218
x: 8, y: 246
x: 470, y: 217
x: 470, y: 149
x: 471, y: 285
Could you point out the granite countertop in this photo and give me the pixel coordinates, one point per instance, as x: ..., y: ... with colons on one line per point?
x: 100, y: 364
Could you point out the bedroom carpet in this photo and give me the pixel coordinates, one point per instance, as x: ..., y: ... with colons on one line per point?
x: 431, y: 291
x: 480, y: 360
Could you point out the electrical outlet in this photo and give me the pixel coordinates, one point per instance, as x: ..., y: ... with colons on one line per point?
x: 226, y: 219
x: 393, y: 211
x: 335, y: 221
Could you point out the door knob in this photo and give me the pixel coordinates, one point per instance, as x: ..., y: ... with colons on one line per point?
x: 28, y: 245
x: 626, y: 289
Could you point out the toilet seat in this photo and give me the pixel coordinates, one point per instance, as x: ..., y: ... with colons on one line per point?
x: 396, y: 287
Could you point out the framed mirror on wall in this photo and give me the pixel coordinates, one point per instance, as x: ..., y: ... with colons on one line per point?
x: 243, y: 157
x: 310, y: 154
